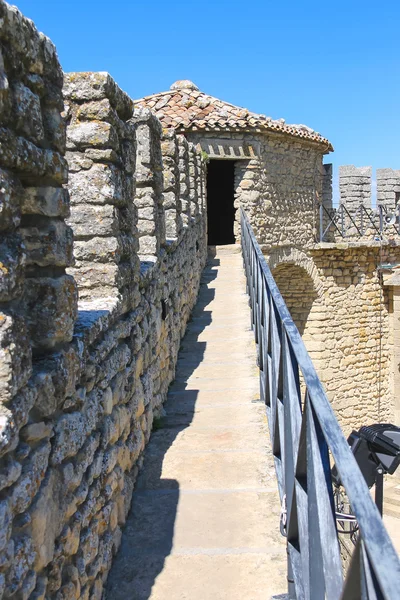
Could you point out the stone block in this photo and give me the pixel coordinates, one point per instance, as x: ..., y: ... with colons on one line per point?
x: 50, y: 307
x: 92, y: 134
x: 48, y: 242
x: 102, y: 184
x: 29, y: 161
x: 70, y: 435
x: 148, y: 245
x: 12, y: 262
x: 27, y: 113
x: 15, y: 355
x: 97, y: 86
x: 9, y: 472
x: 33, y: 473
x: 47, y: 201
x: 21, y: 580
x: 11, y: 193
x: 90, y: 220
x: 100, y: 280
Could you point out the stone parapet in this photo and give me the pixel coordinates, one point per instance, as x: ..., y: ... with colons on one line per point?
x: 171, y: 197
x: 79, y: 390
x: 149, y: 184
x: 101, y: 142
x: 38, y: 298
x: 184, y: 183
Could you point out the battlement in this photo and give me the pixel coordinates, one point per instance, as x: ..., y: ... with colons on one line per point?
x: 103, y: 223
x: 356, y: 187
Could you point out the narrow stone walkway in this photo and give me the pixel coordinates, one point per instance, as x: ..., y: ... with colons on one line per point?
x: 204, y: 522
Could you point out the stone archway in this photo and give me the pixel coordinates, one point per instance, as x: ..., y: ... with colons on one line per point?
x: 302, y: 291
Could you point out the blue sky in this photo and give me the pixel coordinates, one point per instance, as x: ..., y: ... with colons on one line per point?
x: 334, y: 66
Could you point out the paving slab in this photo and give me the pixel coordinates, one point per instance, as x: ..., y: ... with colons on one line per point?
x: 204, y: 520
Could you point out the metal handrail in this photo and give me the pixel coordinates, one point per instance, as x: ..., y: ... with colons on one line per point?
x: 304, y: 433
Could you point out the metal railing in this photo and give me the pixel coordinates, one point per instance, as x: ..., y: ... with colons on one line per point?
x: 304, y: 433
x: 357, y: 222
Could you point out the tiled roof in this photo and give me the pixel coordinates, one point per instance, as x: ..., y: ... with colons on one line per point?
x: 184, y: 107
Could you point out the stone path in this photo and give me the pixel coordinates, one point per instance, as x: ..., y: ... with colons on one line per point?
x: 204, y: 522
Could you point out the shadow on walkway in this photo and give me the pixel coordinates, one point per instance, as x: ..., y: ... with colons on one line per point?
x: 148, y: 535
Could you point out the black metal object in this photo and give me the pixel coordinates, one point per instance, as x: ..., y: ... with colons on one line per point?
x: 304, y: 432
x: 376, y: 449
x: 347, y: 222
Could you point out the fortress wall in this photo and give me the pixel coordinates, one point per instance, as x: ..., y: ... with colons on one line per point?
x: 80, y: 383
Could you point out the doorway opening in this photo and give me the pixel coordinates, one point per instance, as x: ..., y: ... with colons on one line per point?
x: 220, y: 199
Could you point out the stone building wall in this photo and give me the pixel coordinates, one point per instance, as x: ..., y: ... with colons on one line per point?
x: 80, y: 382
x: 278, y: 181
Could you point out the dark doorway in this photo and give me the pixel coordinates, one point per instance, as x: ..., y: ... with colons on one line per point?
x: 220, y: 197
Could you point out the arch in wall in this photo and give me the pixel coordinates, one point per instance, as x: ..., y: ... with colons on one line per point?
x: 296, y: 257
x: 296, y: 277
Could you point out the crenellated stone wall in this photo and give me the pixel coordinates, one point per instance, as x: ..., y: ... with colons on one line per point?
x: 81, y: 382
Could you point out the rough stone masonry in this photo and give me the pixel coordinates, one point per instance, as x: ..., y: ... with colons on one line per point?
x: 81, y: 381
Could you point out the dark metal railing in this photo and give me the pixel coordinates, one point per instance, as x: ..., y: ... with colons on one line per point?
x: 357, y: 222
x: 305, y: 436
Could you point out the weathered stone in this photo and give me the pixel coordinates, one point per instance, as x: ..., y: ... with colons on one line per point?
x: 15, y: 355
x: 54, y: 128
x: 24, y: 556
x: 5, y: 523
x: 47, y: 201
x: 70, y: 434
x: 51, y: 309
x: 33, y: 473
x: 97, y: 86
x: 102, y: 184
x: 92, y: 135
x: 12, y: 262
x: 29, y: 161
x: 27, y: 113
x: 9, y: 472
x: 10, y: 200
x: 47, y: 242
x: 36, y: 432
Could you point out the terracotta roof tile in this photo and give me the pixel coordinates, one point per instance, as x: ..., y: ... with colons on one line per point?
x: 186, y: 108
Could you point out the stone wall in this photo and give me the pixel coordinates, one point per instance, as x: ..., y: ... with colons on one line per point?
x: 337, y: 298
x: 80, y: 383
x: 278, y: 181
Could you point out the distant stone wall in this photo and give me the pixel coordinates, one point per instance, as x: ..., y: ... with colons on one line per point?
x: 80, y: 382
x: 345, y: 313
